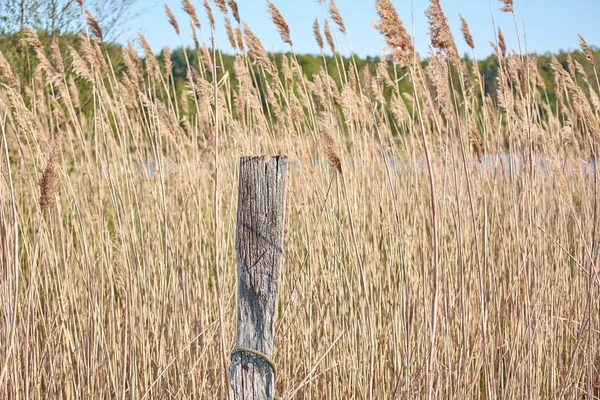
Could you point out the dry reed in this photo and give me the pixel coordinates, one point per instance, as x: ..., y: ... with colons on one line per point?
x: 190, y: 10
x: 413, y: 267
x: 282, y: 27
x: 172, y: 20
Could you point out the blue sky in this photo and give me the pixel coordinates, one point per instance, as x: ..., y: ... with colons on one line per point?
x: 544, y: 25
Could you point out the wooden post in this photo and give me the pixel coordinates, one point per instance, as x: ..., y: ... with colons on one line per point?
x: 259, y: 247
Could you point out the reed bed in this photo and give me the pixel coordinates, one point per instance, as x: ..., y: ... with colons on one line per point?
x: 440, y: 243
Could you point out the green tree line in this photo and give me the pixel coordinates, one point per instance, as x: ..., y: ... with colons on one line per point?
x: 23, y: 62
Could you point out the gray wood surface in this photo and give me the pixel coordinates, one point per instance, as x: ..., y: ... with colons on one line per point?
x: 259, y: 247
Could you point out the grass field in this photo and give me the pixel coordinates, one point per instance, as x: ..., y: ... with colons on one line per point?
x: 440, y: 243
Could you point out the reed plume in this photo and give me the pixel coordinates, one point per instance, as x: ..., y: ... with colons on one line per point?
x: 151, y: 62
x: 475, y: 140
x: 330, y: 145
x: 56, y: 56
x: 464, y: 28
x: 571, y: 64
x: 588, y: 114
x: 8, y: 74
x: 49, y: 182
x: 94, y: 26
x: 397, y: 38
x: 501, y: 43
x: 221, y: 6
x: 190, y: 10
x: 256, y: 49
x: 508, y: 6
x: 317, y: 33
x: 209, y: 14
x: 168, y: 61
x: 438, y: 72
x: 587, y: 51
x: 234, y: 10
x: 135, y: 57
x: 172, y: 20
x: 99, y: 57
x: 439, y: 31
x: 555, y: 166
x: 80, y: 66
x: 31, y: 38
x: 329, y: 37
x: 230, y: 33
x: 239, y: 35
x: 282, y: 27
x: 195, y: 37
x: 580, y: 70
x: 336, y: 16
x: 399, y: 110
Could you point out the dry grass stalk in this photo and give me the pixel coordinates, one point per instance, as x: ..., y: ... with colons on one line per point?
x: 553, y: 161
x: 287, y: 71
x: 7, y: 73
x: 134, y: 237
x: 234, y: 10
x: 32, y: 39
x: 589, y: 117
x: 135, y: 58
x: 329, y: 37
x: 282, y: 27
x: 336, y: 16
x: 209, y: 14
x: 80, y: 67
x: 587, y: 51
x: 580, y: 70
x: 466, y: 75
x: 439, y: 31
x: 439, y: 73
x: 508, y: 6
x: 56, y: 56
x: 383, y: 72
x: 239, y: 35
x: 190, y: 10
x: 94, y: 26
x: 329, y: 143
x: 172, y: 20
x: 163, y: 117
x: 49, y: 182
x: 99, y: 60
x: 475, y: 140
x: 501, y: 42
x: 230, y: 33
x: 256, y: 48
x: 195, y: 38
x: 514, y: 68
x: 168, y: 61
x: 399, y: 110
x: 397, y: 38
x: 464, y: 28
x: 221, y: 6
x: 317, y: 33
x: 151, y: 62
x: 506, y: 99
x: 571, y: 65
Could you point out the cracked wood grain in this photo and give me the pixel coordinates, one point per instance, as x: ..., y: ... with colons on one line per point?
x: 259, y: 248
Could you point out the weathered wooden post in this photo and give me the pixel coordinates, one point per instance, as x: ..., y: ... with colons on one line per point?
x: 259, y: 247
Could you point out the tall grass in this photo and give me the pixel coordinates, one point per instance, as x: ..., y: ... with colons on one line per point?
x: 448, y: 249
